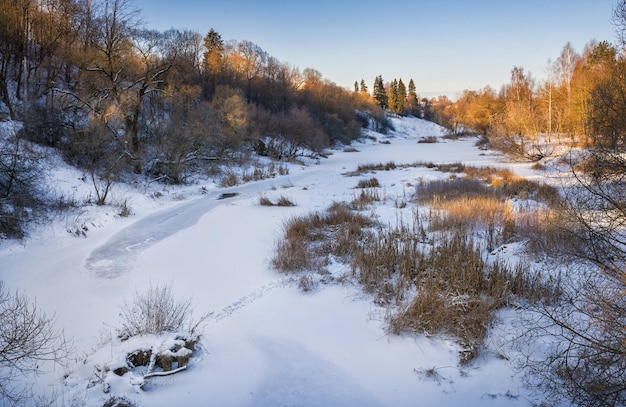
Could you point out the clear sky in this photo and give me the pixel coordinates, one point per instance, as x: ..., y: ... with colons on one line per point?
x: 445, y: 46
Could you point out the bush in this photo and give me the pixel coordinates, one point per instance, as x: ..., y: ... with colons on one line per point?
x: 27, y: 339
x: 156, y: 311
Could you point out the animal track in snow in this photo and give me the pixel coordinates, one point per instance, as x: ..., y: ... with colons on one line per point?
x: 246, y: 300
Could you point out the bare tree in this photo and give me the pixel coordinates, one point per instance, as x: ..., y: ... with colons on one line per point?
x: 28, y: 339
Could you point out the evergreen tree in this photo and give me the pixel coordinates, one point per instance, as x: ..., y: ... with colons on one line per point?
x: 400, y: 98
x: 363, y: 86
x: 356, y: 86
x: 213, y: 60
x: 379, y: 92
x: 392, y: 96
x: 412, y: 101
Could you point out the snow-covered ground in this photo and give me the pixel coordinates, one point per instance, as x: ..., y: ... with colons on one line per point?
x: 268, y: 343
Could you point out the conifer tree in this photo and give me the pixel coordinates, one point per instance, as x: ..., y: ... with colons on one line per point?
x: 392, y: 96
x: 412, y: 101
x: 356, y: 86
x: 379, y: 92
x: 213, y: 57
x: 400, y: 98
x: 363, y: 86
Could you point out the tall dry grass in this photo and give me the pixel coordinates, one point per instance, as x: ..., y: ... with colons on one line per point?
x: 310, y: 240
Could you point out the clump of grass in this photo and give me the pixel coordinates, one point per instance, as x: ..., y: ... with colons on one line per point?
x: 450, y: 189
x: 230, y: 179
x: 451, y: 167
x: 310, y: 240
x: 282, y: 201
x: 372, y: 167
x: 365, y: 198
x: 265, y: 201
x: 368, y: 183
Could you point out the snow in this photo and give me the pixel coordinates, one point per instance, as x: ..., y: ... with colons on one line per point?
x: 267, y: 343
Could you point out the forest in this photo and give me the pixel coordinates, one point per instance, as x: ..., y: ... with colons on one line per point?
x: 86, y: 78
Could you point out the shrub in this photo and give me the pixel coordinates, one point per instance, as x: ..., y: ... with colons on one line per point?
x: 155, y: 311
x: 28, y: 339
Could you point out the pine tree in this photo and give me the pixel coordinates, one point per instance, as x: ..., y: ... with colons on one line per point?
x: 392, y: 96
x: 379, y: 92
x: 400, y: 98
x: 412, y: 101
x: 213, y: 57
x: 356, y: 86
x: 363, y: 86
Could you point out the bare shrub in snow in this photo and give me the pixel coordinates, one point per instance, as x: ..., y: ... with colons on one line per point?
x: 28, y: 339
x: 156, y: 311
x: 584, y: 363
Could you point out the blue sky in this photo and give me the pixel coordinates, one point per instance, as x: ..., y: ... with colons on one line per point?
x: 445, y: 46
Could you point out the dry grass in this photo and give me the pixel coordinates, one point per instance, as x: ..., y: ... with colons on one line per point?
x: 282, y: 201
x: 230, y: 179
x: 371, y: 167
x: 368, y: 183
x: 457, y: 291
x: 433, y: 271
x: 265, y: 201
x: 365, y: 198
x: 310, y: 240
x: 480, y: 203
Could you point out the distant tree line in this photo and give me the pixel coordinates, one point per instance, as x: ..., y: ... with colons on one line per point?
x: 396, y: 98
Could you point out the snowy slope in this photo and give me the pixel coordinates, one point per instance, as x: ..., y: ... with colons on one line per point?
x: 267, y: 344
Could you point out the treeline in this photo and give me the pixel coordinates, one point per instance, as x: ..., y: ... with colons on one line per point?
x: 580, y: 102
x: 396, y: 97
x: 87, y: 78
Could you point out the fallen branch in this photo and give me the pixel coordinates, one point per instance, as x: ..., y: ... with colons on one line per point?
x: 170, y: 372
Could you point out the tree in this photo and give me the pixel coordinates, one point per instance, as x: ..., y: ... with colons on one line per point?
x: 401, y: 98
x: 20, y: 192
x: 586, y: 363
x: 392, y: 95
x: 213, y: 57
x: 565, y: 69
x: 379, y: 93
x: 412, y: 101
x: 28, y: 339
x: 363, y: 86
